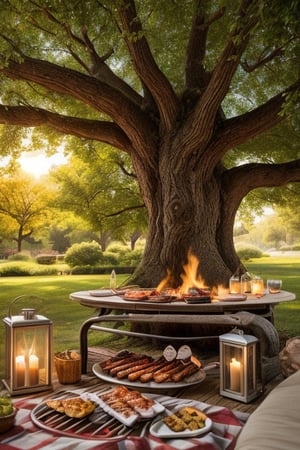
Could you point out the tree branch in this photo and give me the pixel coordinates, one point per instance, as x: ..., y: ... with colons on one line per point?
x: 200, y: 126
x: 145, y: 65
x: 195, y: 74
x: 263, y: 60
x: 121, y: 211
x: 241, y: 129
x: 90, y: 91
x: 107, y: 132
x: 239, y: 181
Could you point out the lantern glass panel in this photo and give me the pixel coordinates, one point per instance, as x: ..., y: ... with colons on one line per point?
x: 30, y: 356
x: 234, y: 368
x: 238, y: 366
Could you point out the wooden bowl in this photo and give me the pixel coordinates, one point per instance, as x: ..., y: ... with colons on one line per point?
x: 7, y: 422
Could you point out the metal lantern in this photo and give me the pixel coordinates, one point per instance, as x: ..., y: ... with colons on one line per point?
x: 28, y: 357
x: 238, y: 368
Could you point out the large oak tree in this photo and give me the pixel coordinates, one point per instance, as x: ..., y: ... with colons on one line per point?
x: 188, y: 89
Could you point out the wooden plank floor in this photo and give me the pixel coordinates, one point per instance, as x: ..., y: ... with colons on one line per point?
x: 206, y: 391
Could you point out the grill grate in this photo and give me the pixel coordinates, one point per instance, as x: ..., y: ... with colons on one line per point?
x: 98, y: 425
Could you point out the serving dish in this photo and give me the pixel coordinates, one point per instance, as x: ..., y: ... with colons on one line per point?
x: 102, y: 293
x: 161, y: 430
x: 129, y: 410
x: 97, y: 370
x: 232, y: 298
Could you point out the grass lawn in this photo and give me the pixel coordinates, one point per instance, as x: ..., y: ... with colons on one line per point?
x: 287, y: 315
x: 67, y: 315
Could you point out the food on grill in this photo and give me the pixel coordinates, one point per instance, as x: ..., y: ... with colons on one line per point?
x: 72, y: 407
x: 128, y: 406
x: 139, y: 295
x: 187, y: 418
x: 143, y: 368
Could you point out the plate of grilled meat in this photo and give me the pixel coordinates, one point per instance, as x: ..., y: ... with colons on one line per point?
x: 140, y: 370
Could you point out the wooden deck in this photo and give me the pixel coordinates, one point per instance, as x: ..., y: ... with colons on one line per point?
x: 207, y: 391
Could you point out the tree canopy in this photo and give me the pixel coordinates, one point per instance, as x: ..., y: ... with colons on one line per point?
x: 23, y: 208
x: 203, y: 95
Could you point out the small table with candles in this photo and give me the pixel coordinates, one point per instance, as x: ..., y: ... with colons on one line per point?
x: 218, y: 311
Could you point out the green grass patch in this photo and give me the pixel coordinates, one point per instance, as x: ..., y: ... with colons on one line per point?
x: 287, y: 315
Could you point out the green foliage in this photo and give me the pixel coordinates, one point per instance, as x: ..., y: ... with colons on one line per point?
x: 46, y: 259
x: 248, y: 252
x: 110, y: 258
x: 18, y: 269
x: 132, y: 258
x: 86, y: 253
x: 23, y: 207
x: 118, y: 249
x: 19, y: 257
x: 99, y: 189
x: 101, y: 270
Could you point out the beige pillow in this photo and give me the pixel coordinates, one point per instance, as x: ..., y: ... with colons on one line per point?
x: 275, y: 424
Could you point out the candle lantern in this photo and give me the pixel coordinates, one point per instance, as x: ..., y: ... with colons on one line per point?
x: 238, y: 368
x: 28, y: 358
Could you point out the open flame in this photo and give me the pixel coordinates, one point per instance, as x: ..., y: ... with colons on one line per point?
x: 189, y: 277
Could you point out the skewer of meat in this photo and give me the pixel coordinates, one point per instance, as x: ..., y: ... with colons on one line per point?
x: 142, y: 360
x: 125, y: 373
x: 147, y: 370
x: 185, y: 372
x: 164, y: 375
x: 109, y: 364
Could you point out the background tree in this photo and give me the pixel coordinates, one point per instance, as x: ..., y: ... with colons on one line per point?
x: 104, y: 193
x: 23, y: 207
x: 189, y: 90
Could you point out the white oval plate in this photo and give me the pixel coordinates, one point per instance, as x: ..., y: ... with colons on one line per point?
x: 161, y: 430
x: 97, y: 370
x: 102, y: 293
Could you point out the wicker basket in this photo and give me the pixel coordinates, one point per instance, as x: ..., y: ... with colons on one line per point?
x: 68, y: 367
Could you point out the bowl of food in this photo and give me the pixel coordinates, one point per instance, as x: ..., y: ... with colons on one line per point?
x: 7, y: 412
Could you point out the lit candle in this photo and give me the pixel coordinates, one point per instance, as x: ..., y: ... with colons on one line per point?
x: 33, y: 370
x: 257, y: 286
x: 235, y: 286
x: 20, y: 370
x: 235, y: 375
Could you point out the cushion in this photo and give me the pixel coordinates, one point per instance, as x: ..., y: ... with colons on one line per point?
x: 275, y: 424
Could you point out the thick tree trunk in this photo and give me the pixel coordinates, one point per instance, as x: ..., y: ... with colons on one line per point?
x: 188, y: 220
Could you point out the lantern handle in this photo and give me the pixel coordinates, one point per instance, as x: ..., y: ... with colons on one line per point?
x: 237, y: 331
x: 15, y: 300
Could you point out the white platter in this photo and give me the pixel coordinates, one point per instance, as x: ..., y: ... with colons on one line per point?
x: 151, y: 385
x: 161, y: 430
x: 137, y: 415
x: 102, y: 293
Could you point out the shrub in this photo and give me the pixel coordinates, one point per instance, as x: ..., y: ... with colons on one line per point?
x: 86, y: 253
x: 46, y: 259
x: 286, y: 248
x: 296, y: 247
x: 18, y: 257
x: 118, y: 249
x: 110, y: 258
x: 132, y: 258
x: 22, y: 268
x: 246, y: 252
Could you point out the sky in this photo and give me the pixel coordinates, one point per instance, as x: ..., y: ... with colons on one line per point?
x: 39, y: 164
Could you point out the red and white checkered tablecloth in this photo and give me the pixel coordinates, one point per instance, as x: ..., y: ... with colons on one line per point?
x: 27, y: 436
